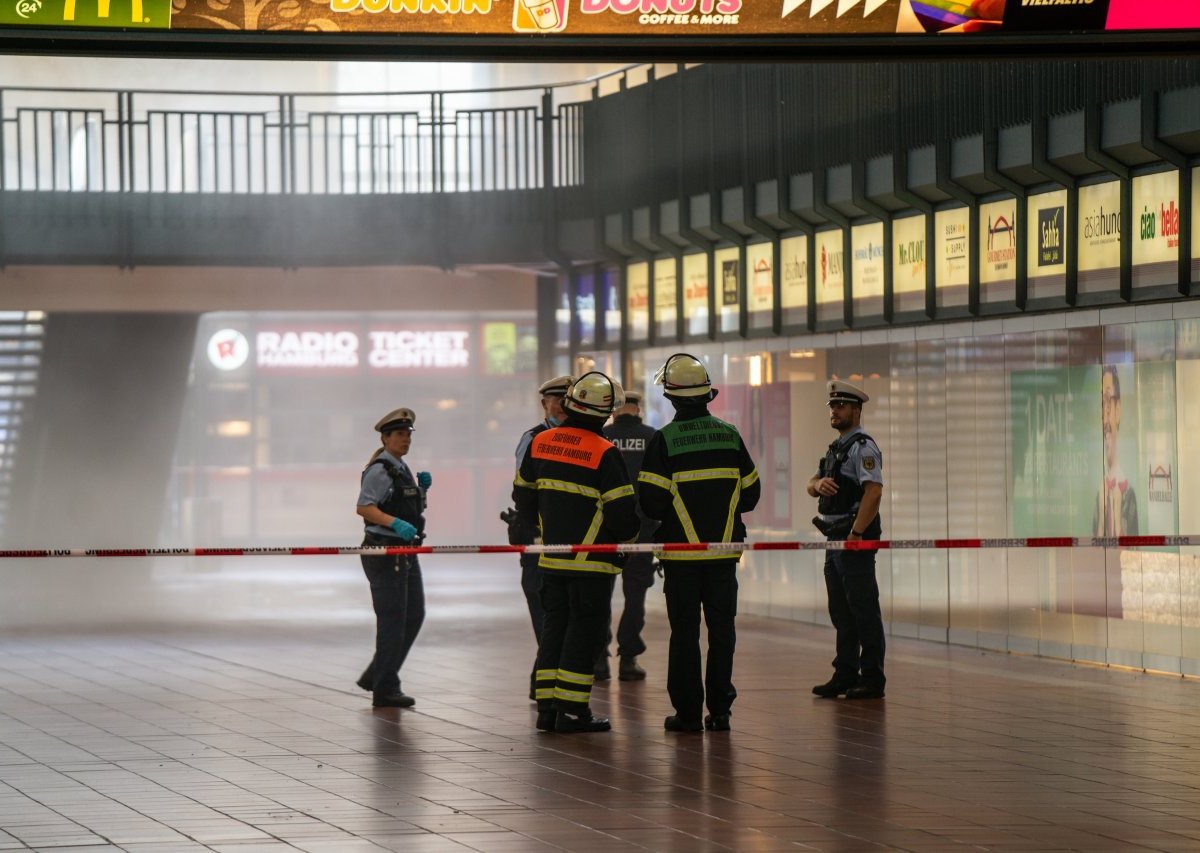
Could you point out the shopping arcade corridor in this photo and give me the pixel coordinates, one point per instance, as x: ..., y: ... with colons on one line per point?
x: 244, y: 732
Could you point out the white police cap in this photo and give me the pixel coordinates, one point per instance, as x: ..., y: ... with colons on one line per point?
x: 841, y: 391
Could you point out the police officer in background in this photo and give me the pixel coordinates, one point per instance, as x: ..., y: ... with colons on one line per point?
x: 698, y: 479
x: 848, y: 486
x: 391, y: 502
x: 630, y: 436
x: 574, y: 480
x: 525, y: 532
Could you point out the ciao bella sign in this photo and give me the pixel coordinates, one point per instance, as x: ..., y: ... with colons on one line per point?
x: 341, y: 350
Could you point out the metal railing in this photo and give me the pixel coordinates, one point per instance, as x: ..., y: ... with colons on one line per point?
x: 159, y: 141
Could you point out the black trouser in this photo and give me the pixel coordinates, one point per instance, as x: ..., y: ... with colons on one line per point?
x: 854, y: 610
x: 692, y: 585
x: 398, y: 595
x: 636, y: 578
x: 531, y: 584
x: 578, y: 610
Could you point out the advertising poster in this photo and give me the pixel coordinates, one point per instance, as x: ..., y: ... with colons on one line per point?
x: 953, y: 247
x: 1056, y: 450
x: 866, y: 271
x: 830, y: 281
x: 610, y: 278
x: 499, y: 349
x: 727, y: 264
x: 637, y: 299
x: 1187, y: 479
x: 665, y: 299
x: 695, y: 293
x: 908, y: 263
x: 998, y: 253
x: 1099, y: 236
x: 793, y: 285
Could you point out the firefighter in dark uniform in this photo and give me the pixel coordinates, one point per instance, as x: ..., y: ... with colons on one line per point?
x: 574, y: 481
x: 698, y: 479
x: 848, y: 486
x: 391, y: 502
x: 630, y: 436
x: 521, y: 532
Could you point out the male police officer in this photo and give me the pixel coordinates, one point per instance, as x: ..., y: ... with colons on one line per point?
x: 551, y: 392
x: 697, y: 479
x: 849, y: 487
x: 574, y: 481
x: 630, y: 436
x: 391, y: 503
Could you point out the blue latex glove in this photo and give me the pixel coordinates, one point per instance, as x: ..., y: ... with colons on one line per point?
x: 424, y: 479
x: 403, y: 529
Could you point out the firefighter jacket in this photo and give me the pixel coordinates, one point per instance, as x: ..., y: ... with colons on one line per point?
x: 697, y: 479
x: 573, y: 484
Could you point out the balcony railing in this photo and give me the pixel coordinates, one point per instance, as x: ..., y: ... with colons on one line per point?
x: 155, y: 141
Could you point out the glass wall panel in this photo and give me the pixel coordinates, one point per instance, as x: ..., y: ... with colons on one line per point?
x: 1065, y: 432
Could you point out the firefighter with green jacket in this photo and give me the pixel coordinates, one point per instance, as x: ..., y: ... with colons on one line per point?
x: 573, y: 482
x: 698, y: 479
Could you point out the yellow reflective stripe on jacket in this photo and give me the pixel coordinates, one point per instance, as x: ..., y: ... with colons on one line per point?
x: 523, y: 483
x: 548, y: 562
x: 750, y: 479
x: 544, y: 693
x: 593, y: 531
x: 685, y: 520
x: 570, y: 488
x: 706, y: 474
x: 654, y: 480
x: 618, y: 492
x: 727, y: 536
x: 669, y: 556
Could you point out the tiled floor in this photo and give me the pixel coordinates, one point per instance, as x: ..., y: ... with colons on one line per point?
x: 243, y: 735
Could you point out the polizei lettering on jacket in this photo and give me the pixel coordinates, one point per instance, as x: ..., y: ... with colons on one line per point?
x: 669, y: 11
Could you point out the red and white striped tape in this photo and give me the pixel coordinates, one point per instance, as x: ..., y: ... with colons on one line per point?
x: 726, y: 547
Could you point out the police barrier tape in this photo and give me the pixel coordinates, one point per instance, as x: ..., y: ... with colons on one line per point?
x: 656, y: 548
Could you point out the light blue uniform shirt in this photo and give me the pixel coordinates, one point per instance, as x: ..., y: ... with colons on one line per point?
x: 864, y: 463
x: 377, y: 486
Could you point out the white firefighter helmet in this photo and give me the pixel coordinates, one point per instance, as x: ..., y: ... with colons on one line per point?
x: 683, y: 375
x: 592, y: 394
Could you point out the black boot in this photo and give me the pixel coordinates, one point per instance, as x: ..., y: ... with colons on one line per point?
x: 566, y: 723
x: 834, y: 687
x: 629, y: 669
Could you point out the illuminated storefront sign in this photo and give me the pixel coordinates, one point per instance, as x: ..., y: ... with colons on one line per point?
x: 637, y: 298
x: 998, y: 242
x: 1100, y: 226
x: 1047, y: 237
x: 910, y: 18
x: 665, y: 301
x: 760, y: 295
x: 1156, y: 231
x: 953, y: 247
x: 908, y: 255
x: 793, y: 283
x: 333, y: 349
x: 695, y: 293
x: 866, y: 271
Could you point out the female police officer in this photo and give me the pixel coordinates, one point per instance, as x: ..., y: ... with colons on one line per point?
x: 391, y: 502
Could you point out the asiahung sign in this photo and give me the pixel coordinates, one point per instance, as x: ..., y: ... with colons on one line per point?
x: 619, y: 18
